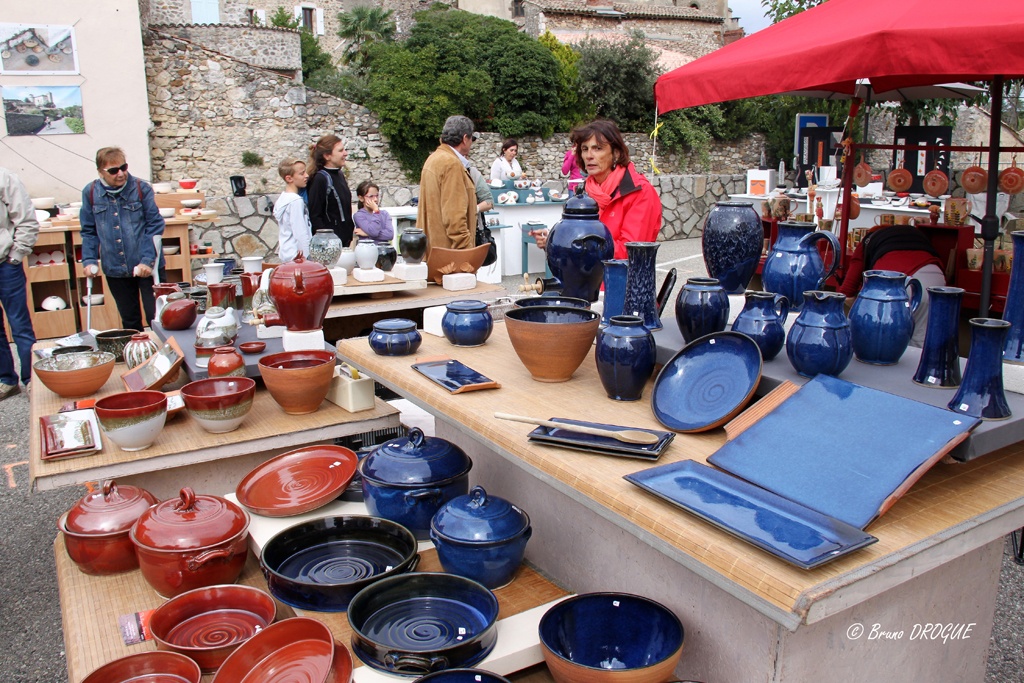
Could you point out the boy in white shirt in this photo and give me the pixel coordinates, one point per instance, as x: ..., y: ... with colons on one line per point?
x: 291, y: 213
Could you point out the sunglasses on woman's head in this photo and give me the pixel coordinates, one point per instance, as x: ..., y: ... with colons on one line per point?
x: 115, y: 169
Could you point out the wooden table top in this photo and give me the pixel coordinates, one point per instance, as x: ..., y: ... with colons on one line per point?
x: 953, y: 509
x: 432, y: 295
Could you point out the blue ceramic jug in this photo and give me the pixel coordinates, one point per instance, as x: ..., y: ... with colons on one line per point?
x: 881, y: 320
x: 794, y: 265
x: 819, y: 342
x: 763, y: 319
x: 577, y: 246
x: 625, y: 356
x: 702, y: 307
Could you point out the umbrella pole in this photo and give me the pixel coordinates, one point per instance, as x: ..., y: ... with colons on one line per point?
x: 990, y: 223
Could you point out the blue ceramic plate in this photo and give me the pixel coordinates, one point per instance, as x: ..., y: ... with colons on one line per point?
x: 603, y: 445
x: 778, y: 526
x: 707, y: 383
x: 454, y: 376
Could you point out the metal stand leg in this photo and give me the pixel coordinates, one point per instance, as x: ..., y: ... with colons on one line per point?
x: 1017, y: 540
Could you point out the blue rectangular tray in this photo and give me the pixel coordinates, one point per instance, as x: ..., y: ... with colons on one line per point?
x: 602, y: 445
x: 789, y: 531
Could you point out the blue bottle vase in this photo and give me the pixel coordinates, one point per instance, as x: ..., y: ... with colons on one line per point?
x: 1013, y: 312
x: 625, y: 357
x: 981, y: 391
x: 881, y: 319
x: 763, y: 319
x: 939, y: 366
x: 702, y: 307
x: 731, y: 241
x: 819, y: 342
x: 641, y: 296
x: 614, y: 288
x: 794, y: 266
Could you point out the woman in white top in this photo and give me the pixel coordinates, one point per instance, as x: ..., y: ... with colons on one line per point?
x: 506, y: 166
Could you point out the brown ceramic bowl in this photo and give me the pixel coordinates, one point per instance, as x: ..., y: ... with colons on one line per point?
x: 73, y: 375
x: 152, y: 667
x: 219, y: 404
x: 301, y: 647
x: 208, y: 624
x: 552, y: 341
x: 113, y: 341
x: 252, y: 347
x: 298, y: 380
x: 95, y: 529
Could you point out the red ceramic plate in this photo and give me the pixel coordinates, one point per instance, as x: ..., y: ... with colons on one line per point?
x: 297, y: 481
x: 305, y: 660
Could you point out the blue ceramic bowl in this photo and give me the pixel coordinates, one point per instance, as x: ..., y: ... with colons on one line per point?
x: 571, y: 302
x: 610, y: 637
x: 467, y: 323
x: 462, y: 676
x: 228, y: 263
x: 395, y: 337
x: 551, y: 314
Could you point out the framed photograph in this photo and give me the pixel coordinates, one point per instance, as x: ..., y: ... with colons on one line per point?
x: 37, y: 50
x: 43, y: 110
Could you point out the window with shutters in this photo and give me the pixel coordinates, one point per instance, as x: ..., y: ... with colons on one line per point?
x: 518, y: 8
x: 309, y: 19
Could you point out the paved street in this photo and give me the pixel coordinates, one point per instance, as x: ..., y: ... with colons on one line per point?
x: 31, y: 644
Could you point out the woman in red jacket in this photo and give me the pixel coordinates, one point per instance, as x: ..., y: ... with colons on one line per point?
x: 627, y: 203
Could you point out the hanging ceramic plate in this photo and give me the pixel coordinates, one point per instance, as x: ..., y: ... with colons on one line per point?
x: 297, y: 481
x: 707, y: 383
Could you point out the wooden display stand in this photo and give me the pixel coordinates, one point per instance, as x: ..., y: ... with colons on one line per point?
x: 50, y: 280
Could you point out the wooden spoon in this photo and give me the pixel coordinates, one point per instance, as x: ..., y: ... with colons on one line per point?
x: 626, y: 435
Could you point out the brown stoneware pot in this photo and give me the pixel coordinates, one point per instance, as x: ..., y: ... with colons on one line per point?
x: 298, y: 380
x: 151, y: 667
x: 301, y: 291
x: 95, y: 529
x: 552, y: 341
x: 226, y: 362
x: 73, y: 375
x: 191, y: 542
x: 208, y: 624
x: 297, y: 649
x: 179, y: 314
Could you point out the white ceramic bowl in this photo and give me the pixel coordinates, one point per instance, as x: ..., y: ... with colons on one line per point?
x: 521, y: 184
x: 496, y: 184
x: 170, y: 251
x: 72, y: 211
x: 167, y: 213
x: 42, y: 215
x: 97, y: 299
x: 57, y: 256
x: 191, y: 203
x: 44, y: 202
x: 53, y: 303
x: 163, y: 188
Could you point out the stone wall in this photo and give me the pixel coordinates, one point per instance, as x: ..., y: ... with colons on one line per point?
x: 695, y: 38
x: 167, y: 12
x: 270, y: 48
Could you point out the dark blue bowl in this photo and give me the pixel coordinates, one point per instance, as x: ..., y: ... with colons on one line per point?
x: 569, y: 301
x: 551, y: 314
x: 462, y: 676
x: 596, y: 635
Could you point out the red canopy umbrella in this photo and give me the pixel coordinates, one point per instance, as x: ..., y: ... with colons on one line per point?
x: 895, y: 44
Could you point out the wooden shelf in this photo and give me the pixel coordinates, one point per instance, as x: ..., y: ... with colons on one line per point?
x: 51, y: 273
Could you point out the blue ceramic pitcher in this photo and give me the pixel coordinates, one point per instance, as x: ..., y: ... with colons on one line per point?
x: 819, y: 342
x: 881, y: 320
x: 794, y: 265
x: 763, y: 319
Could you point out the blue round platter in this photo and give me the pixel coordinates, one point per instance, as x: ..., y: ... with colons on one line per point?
x: 707, y: 383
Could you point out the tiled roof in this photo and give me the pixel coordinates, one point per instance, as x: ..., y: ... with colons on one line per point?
x: 262, y: 27
x: 631, y: 10
x: 666, y: 59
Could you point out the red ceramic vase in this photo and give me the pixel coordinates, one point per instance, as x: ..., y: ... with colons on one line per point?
x: 226, y: 362
x: 221, y: 294
x: 301, y: 291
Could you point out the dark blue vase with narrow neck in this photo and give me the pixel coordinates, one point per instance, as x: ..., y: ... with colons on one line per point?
x: 939, y: 366
x: 614, y: 288
x: 1013, y: 312
x: 981, y: 391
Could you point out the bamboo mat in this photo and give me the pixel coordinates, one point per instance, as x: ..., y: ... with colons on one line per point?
x: 948, y: 496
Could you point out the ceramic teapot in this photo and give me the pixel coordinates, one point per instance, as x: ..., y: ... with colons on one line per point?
x: 301, y: 291
x: 577, y: 246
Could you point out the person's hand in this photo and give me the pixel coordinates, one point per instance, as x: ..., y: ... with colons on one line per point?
x: 360, y: 232
x: 371, y: 205
x: 92, y: 270
x: 142, y: 270
x: 541, y: 236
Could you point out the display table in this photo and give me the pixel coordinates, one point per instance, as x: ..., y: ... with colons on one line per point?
x: 868, y: 211
x: 186, y: 454
x: 748, y: 616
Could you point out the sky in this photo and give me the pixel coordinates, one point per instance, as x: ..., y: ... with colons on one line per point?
x: 750, y: 13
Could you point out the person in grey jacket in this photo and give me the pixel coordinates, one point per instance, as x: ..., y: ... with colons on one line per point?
x: 18, y: 232
x: 119, y: 220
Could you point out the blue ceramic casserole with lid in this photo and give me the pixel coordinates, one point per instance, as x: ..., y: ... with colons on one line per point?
x: 481, y: 537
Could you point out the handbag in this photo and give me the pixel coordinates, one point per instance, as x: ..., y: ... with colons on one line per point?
x: 484, y: 236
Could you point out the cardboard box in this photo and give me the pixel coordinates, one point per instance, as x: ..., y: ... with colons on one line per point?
x: 760, y: 182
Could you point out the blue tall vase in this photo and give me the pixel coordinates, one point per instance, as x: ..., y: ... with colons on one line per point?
x: 981, y: 391
x: 702, y: 307
x: 939, y: 366
x: 614, y: 288
x: 625, y: 357
x: 641, y: 296
x: 1013, y: 312
x: 819, y: 341
x: 731, y: 241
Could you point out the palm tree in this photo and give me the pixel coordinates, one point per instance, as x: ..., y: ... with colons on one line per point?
x: 361, y: 26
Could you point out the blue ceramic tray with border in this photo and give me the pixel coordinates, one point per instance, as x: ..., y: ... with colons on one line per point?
x: 455, y: 376
x: 785, y: 529
x: 603, y: 445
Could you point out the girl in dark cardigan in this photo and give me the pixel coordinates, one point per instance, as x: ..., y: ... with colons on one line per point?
x: 330, y: 200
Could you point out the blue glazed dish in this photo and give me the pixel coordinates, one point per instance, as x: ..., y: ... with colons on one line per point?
x: 601, y: 445
x: 321, y: 564
x: 481, y: 537
x: 595, y: 636
x: 462, y: 676
x: 467, y: 323
x: 420, y: 623
x: 707, y: 383
x: 395, y: 337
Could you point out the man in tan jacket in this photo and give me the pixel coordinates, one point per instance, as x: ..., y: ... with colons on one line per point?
x: 447, y: 208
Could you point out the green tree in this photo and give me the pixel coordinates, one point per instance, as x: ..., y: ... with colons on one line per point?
x: 362, y: 26
x: 572, y: 108
x: 313, y: 56
x: 618, y: 80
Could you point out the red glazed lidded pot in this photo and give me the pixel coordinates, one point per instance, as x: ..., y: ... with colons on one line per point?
x: 191, y: 542
x: 96, y: 528
x: 301, y: 291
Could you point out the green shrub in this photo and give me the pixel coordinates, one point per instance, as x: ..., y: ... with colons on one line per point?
x: 251, y: 159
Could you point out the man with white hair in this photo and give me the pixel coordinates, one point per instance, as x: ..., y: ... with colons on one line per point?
x: 19, y: 230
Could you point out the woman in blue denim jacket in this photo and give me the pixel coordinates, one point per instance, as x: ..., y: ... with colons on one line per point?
x: 119, y: 220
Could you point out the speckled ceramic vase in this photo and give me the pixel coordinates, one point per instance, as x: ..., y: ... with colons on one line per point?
x: 731, y: 242
x: 641, y: 292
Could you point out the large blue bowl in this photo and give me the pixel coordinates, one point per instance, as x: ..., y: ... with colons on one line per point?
x: 571, y: 302
x: 462, y: 676
x: 609, y: 637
